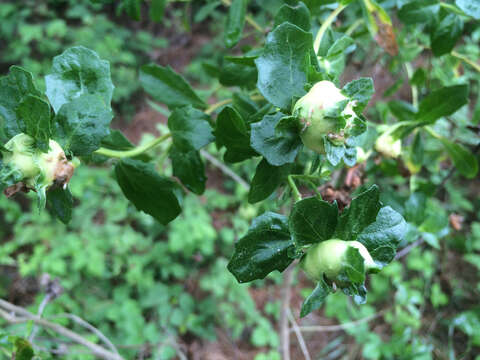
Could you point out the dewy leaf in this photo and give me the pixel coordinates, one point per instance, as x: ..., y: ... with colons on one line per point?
x: 35, y: 114
x: 78, y: 71
x: 235, y: 22
x: 60, y: 203
x: 168, y: 87
x: 362, y: 212
x: 465, y: 162
x: 81, y: 124
x: 312, y: 220
x: 470, y: 7
x: 278, y: 143
x: 382, y: 237
x: 189, y: 168
x: 154, y: 194
x: 231, y: 132
x: 14, y: 87
x: 316, y: 299
x: 442, y: 102
x: 266, y: 179
x: 419, y: 11
x: 296, y: 14
x: 360, y: 90
x: 283, y: 66
x: 264, y: 249
x: 190, y: 129
x: 445, y: 34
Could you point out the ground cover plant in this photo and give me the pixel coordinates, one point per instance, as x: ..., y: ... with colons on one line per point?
x: 356, y: 125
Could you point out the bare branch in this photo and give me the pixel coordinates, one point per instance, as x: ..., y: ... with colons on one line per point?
x: 409, y: 248
x: 9, y: 308
x: 298, y: 333
x: 225, y: 169
x: 90, y: 327
x: 286, y: 296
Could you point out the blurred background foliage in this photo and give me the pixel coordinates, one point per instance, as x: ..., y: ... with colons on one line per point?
x: 164, y: 292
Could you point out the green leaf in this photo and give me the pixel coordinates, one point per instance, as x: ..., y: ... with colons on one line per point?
x: 333, y: 63
x: 168, y: 87
x: 235, y: 74
x: 23, y: 350
x: 347, y: 152
x: 442, y: 102
x: 361, y: 91
x: 245, y: 106
x: 157, y: 9
x: 465, y: 162
x: 232, y: 132
x: 382, y: 237
x: 82, y: 124
x: 276, y: 138
x: 14, y: 87
x: 189, y: 168
x: 357, y: 291
x: 417, y: 150
x: 190, y: 129
x: 117, y: 141
x: 283, y: 66
x: 296, y: 14
x: 78, y: 71
x: 154, y: 194
x: 235, y: 22
x: 419, y: 11
x: 312, y: 220
x: 446, y: 33
x: 132, y: 8
x: 35, y: 114
x: 264, y: 249
x: 353, y: 267
x: 316, y: 299
x: 402, y: 110
x: 60, y: 204
x: 206, y: 10
x: 469, y: 7
x: 266, y: 179
x: 362, y: 212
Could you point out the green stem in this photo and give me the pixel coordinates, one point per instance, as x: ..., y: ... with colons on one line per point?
x: 453, y: 8
x: 409, y: 69
x: 305, y: 177
x: 353, y: 27
x: 328, y: 21
x: 211, y: 109
x: 133, y: 152
x: 466, y: 60
x: 432, y: 132
x: 215, y: 106
x: 248, y: 18
x: 143, y: 148
x: 294, y: 188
